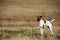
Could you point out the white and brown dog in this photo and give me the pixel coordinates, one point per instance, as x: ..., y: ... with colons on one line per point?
x: 43, y: 23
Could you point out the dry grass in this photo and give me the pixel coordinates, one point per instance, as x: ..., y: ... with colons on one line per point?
x: 26, y: 32
x: 18, y: 19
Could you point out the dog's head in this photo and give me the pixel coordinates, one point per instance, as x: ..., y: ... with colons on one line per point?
x: 38, y: 18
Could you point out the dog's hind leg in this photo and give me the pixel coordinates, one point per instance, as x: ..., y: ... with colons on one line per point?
x: 50, y: 29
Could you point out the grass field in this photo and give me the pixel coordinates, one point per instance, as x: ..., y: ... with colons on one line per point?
x: 28, y: 32
x: 18, y: 19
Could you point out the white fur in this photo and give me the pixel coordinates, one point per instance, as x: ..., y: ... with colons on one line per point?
x: 47, y: 24
x: 52, y: 20
x: 41, y: 23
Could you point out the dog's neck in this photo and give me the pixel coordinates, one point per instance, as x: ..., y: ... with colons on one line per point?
x: 43, y: 20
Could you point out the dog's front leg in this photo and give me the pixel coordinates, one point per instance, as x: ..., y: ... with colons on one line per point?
x: 42, y: 30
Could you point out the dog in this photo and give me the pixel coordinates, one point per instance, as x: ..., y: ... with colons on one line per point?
x: 46, y: 23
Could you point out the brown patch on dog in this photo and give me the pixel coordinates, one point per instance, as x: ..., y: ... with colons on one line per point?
x: 38, y: 18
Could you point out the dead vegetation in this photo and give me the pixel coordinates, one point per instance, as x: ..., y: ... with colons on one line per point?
x: 18, y: 19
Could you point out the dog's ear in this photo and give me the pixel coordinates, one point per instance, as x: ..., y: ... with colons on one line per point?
x: 38, y: 18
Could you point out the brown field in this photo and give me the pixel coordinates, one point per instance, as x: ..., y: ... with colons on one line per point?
x: 18, y: 19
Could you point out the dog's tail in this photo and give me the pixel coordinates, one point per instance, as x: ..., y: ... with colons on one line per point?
x: 52, y: 20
